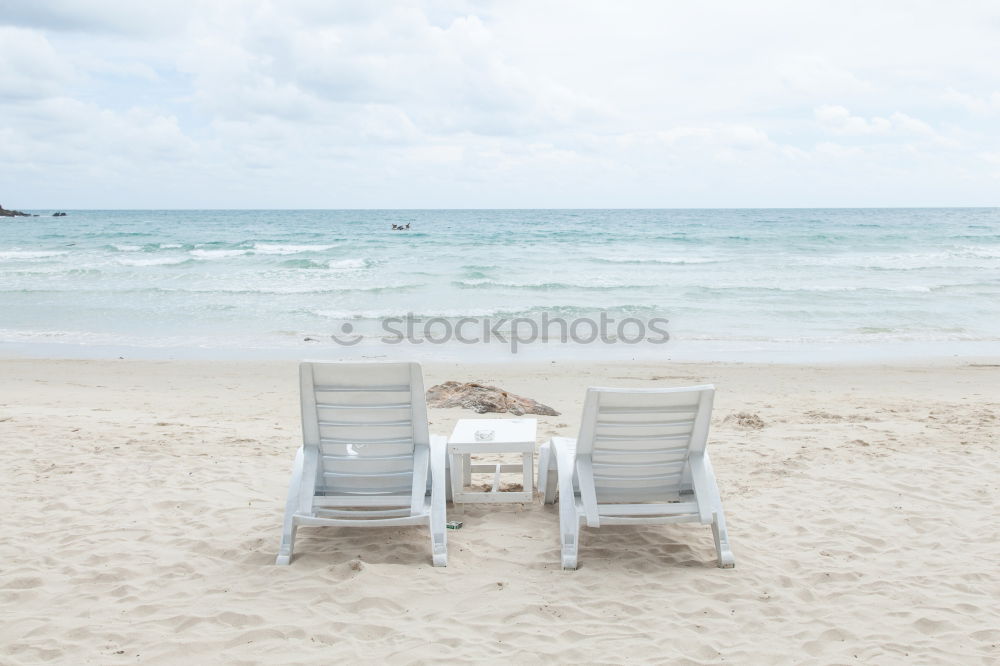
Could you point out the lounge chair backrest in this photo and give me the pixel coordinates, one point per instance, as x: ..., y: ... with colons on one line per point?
x: 638, y: 442
x: 367, y: 420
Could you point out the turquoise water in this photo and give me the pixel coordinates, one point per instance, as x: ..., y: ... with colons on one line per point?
x: 733, y: 279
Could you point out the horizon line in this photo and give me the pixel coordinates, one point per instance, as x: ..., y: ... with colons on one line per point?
x: 528, y: 208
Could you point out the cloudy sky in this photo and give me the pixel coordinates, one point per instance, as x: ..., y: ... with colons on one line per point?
x: 463, y: 104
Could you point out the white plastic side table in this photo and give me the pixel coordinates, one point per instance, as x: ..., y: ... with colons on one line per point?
x: 508, y: 436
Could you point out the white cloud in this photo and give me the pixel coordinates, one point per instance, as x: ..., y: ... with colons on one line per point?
x: 460, y: 103
x: 837, y: 150
x: 986, y: 104
x: 818, y: 77
x: 29, y: 67
x: 838, y: 120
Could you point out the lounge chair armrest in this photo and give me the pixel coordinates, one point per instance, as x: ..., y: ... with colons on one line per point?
x: 295, y: 486
x: 309, y: 469
x: 547, y: 465
x: 439, y: 478
x: 418, y: 493
x: 438, y: 517
x: 588, y: 493
x: 562, y: 455
x: 706, y: 492
x: 560, y: 448
x: 566, y: 465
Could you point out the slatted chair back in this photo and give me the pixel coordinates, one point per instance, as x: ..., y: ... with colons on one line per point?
x: 368, y: 422
x: 638, y: 443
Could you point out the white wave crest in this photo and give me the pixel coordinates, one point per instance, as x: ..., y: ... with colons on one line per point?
x: 275, y: 248
x: 347, y: 263
x: 678, y: 261
x: 429, y: 314
x: 906, y: 261
x: 217, y: 254
x: 29, y: 254
x: 153, y: 261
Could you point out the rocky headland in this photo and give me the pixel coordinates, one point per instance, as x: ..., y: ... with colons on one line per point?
x: 14, y: 213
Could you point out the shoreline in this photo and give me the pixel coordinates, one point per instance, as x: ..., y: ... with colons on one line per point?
x: 780, y: 353
x: 515, y: 364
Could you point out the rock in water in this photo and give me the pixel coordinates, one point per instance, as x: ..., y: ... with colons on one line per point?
x: 483, y: 399
x: 12, y: 213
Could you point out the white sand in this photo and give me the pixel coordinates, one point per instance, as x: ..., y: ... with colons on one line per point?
x: 140, y: 505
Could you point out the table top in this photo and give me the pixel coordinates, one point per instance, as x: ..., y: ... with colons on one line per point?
x: 505, y: 431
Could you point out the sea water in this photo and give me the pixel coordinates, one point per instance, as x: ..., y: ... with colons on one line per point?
x: 729, y: 282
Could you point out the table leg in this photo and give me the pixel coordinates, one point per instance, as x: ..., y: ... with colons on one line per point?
x: 467, y: 469
x: 456, y: 477
x: 529, y: 474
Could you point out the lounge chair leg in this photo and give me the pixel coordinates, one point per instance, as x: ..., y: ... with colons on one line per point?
x: 439, y: 539
x: 439, y: 532
x: 287, y: 542
x: 570, y: 541
x: 439, y: 550
x: 722, y: 548
x: 289, y: 527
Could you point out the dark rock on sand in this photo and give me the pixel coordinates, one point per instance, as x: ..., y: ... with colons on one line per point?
x: 482, y: 399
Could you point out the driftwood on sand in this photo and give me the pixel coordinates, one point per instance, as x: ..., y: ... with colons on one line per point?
x: 483, y: 399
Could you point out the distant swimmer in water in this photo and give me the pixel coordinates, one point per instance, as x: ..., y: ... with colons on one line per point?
x: 396, y: 227
x: 407, y: 226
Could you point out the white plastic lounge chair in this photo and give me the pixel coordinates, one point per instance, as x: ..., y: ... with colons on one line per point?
x: 366, y: 453
x: 640, y: 459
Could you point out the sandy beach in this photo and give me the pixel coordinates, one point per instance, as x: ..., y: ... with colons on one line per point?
x: 142, y: 500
